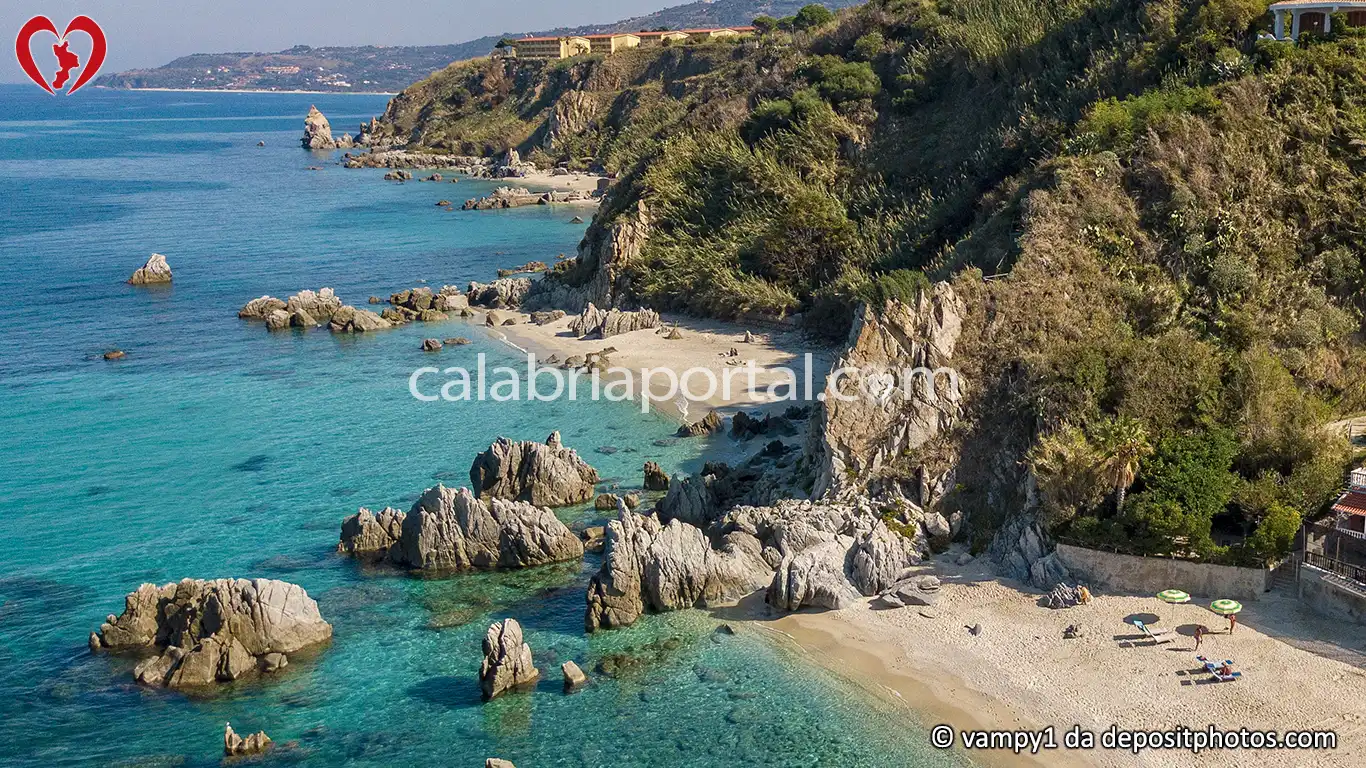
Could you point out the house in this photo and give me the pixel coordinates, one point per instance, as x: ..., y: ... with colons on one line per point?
x: 1315, y: 16
x: 1349, y: 511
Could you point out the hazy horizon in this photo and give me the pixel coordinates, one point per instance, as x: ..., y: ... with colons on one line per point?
x: 149, y: 33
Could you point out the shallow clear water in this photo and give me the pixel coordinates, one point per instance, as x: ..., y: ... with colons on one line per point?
x: 217, y: 449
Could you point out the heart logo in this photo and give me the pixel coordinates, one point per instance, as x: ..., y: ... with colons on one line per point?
x: 67, y: 60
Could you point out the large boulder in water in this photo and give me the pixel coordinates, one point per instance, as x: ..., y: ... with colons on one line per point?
x: 317, y: 131
x: 205, y: 632
x: 650, y: 566
x: 546, y: 474
x: 507, y: 659
x: 450, y: 529
x: 156, y: 270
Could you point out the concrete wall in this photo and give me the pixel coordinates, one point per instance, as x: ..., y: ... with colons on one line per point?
x: 1329, y: 599
x: 1150, y: 575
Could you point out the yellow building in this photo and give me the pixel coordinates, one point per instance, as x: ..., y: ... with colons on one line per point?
x: 577, y: 45
x: 551, y: 47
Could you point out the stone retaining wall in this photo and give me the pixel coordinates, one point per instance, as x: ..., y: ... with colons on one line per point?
x: 1150, y: 575
x: 1328, y: 598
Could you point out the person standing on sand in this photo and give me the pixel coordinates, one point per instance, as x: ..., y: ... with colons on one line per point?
x: 1232, y: 622
x: 1199, y: 635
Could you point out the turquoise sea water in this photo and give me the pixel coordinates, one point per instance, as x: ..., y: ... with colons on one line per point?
x: 217, y: 449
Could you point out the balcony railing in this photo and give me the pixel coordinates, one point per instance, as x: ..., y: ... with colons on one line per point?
x: 1348, y: 571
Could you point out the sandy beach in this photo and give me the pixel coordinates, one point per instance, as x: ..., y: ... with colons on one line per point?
x: 1020, y: 673
x: 704, y: 344
x: 574, y: 182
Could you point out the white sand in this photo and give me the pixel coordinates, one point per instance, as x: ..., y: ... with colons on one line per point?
x: 705, y: 344
x: 575, y: 182
x: 1021, y: 673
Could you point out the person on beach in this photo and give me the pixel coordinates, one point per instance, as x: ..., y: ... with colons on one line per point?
x: 1232, y: 622
x: 1199, y: 635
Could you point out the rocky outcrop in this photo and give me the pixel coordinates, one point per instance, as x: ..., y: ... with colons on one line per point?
x: 318, y: 306
x: 573, y: 676
x: 506, y: 293
x: 604, y: 258
x: 545, y: 474
x: 368, y: 533
x: 507, y: 661
x: 648, y: 565
x: 155, y: 271
x: 600, y: 324
x: 317, y: 131
x: 237, y: 746
x: 813, y: 578
x: 1024, y: 552
x: 348, y: 319
x: 895, y: 404
x: 707, y: 425
x: 206, y: 632
x: 260, y: 309
x: 450, y: 529
x: 656, y: 479
x: 573, y: 114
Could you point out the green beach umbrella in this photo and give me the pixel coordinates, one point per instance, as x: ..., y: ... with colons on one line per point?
x: 1225, y: 607
x: 1173, y: 596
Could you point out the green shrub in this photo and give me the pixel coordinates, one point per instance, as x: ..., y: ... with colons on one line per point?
x: 812, y: 16
x: 764, y: 24
x: 1117, y: 123
x: 840, y: 81
x: 869, y: 46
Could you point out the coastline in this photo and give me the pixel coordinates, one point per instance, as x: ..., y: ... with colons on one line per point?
x: 1019, y: 672
x: 251, y: 90
x: 705, y: 344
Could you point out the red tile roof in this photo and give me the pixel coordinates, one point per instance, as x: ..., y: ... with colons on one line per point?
x: 1352, y: 503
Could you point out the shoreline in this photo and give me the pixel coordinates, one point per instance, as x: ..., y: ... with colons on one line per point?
x: 251, y: 90
x: 1019, y: 672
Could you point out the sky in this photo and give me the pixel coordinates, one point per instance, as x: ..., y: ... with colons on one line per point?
x: 149, y: 33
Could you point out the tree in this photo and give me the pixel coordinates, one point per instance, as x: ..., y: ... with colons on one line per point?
x: 765, y: 24
x: 1275, y: 536
x: 812, y: 16
x: 1124, y: 443
x: 1067, y: 467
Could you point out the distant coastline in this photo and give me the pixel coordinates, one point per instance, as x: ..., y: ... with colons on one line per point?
x: 251, y: 90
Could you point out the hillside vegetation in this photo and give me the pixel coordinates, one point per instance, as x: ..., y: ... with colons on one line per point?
x: 1154, y: 219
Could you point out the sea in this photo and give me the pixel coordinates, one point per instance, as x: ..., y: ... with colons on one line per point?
x: 217, y: 449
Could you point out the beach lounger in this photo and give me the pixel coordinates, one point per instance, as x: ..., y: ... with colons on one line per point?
x: 1213, y: 669
x: 1163, y: 636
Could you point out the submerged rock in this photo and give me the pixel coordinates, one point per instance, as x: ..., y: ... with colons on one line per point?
x: 156, y: 270
x: 545, y: 474
x: 507, y: 660
x: 206, y: 632
x: 236, y: 746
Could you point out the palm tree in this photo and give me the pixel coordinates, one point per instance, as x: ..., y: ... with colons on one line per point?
x: 1123, y: 443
